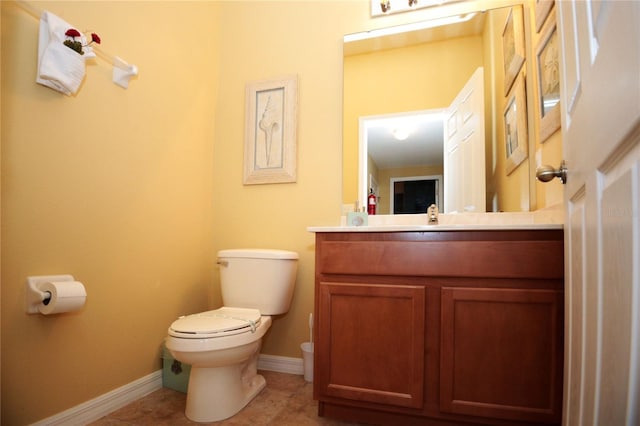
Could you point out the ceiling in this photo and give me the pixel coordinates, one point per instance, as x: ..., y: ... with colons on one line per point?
x: 412, y: 34
x: 422, y: 146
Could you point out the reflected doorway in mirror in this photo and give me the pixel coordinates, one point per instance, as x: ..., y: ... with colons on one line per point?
x: 414, y: 194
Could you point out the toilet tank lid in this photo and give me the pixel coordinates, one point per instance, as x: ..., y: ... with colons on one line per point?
x: 258, y: 254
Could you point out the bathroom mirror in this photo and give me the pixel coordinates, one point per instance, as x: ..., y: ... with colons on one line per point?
x: 415, y: 74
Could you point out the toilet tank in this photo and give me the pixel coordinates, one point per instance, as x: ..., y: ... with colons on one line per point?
x: 258, y: 278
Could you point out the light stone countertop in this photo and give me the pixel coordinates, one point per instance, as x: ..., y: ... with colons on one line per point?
x: 540, y: 219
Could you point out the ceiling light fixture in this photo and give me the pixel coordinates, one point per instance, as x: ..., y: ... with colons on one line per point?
x: 400, y: 134
x: 408, y: 27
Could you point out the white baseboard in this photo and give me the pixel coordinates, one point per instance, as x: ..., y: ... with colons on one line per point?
x: 281, y: 364
x: 99, y: 407
x: 96, y: 408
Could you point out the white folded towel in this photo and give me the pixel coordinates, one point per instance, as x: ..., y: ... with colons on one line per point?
x: 59, y: 67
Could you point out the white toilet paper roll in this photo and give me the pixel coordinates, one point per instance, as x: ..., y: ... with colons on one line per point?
x: 66, y: 296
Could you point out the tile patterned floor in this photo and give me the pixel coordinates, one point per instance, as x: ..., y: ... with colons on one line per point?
x: 286, y: 401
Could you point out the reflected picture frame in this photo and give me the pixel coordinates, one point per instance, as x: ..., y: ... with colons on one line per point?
x: 548, y: 80
x: 513, y: 52
x: 270, y: 131
x: 515, y: 126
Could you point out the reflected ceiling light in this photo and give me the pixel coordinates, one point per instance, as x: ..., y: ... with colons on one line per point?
x: 423, y: 25
x: 400, y: 133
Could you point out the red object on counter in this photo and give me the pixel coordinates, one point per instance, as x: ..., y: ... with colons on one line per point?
x: 371, y: 203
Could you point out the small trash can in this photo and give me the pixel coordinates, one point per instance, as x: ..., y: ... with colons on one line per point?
x: 175, y: 375
x: 307, y: 360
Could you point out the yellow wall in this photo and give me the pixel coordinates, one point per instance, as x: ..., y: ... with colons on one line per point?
x: 270, y: 40
x: 0, y: 223
x: 133, y: 191
x: 113, y: 186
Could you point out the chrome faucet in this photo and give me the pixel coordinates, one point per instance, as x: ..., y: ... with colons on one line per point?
x: 432, y: 213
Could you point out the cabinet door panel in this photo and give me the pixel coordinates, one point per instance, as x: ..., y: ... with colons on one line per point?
x: 372, y: 343
x: 501, y: 354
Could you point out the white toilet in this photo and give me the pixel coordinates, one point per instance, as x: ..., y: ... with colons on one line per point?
x: 222, y: 346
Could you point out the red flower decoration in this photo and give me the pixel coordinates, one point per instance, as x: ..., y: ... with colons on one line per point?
x: 77, y: 45
x: 71, y: 32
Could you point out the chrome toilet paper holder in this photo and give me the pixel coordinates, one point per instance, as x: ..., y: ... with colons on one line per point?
x: 34, y: 296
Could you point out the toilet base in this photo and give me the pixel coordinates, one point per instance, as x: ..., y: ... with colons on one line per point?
x: 217, y: 393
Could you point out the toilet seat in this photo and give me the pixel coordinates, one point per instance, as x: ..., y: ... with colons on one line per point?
x: 225, y: 321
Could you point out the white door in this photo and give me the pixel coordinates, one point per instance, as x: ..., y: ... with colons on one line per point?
x: 464, y: 178
x: 601, y: 132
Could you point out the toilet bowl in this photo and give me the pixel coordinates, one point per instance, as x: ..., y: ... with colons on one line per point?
x: 222, y: 345
x: 223, y: 376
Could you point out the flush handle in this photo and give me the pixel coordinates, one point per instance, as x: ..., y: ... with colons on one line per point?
x: 547, y: 173
x: 222, y: 262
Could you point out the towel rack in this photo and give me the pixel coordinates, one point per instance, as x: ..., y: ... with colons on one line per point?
x: 118, y: 63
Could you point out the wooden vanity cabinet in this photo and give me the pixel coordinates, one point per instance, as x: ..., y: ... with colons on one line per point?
x: 439, y: 328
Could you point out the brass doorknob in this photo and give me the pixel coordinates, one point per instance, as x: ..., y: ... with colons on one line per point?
x: 547, y: 173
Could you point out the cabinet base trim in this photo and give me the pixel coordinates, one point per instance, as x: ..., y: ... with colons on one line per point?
x: 375, y: 417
